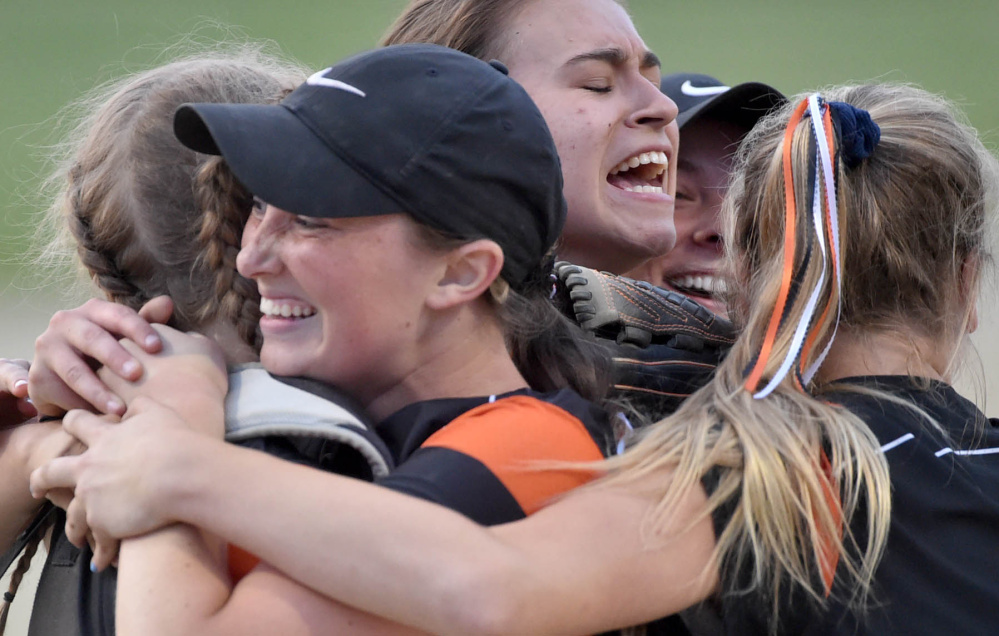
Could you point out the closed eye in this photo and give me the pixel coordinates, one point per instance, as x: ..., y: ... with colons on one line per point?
x: 259, y: 207
x: 309, y: 222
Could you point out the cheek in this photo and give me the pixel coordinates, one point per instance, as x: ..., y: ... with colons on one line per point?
x: 673, y: 134
x: 242, y: 258
x: 582, y: 156
x: 583, y: 218
x: 577, y: 133
x: 684, y: 217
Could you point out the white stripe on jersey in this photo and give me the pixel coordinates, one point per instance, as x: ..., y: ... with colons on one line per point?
x: 898, y: 442
x: 979, y: 451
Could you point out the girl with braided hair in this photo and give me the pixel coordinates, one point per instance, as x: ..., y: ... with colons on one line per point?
x: 429, y: 307
x: 146, y: 217
x: 828, y: 480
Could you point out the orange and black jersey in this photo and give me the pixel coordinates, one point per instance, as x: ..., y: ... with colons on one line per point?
x: 481, y: 456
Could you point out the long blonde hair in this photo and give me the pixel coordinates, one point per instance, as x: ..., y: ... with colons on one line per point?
x: 792, y: 469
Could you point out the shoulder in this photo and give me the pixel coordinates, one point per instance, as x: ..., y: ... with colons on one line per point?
x: 518, y: 438
x: 504, y: 459
x: 556, y: 426
x: 903, y: 411
x: 261, y: 408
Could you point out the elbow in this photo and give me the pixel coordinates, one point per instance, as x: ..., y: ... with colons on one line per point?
x: 485, y: 599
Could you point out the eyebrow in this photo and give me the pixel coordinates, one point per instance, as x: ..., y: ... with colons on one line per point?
x: 615, y: 57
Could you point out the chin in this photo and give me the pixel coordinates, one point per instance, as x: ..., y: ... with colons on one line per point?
x: 655, y: 241
x: 279, y: 362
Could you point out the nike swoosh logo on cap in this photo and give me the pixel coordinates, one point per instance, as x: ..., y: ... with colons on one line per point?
x: 317, y: 79
x: 701, y: 91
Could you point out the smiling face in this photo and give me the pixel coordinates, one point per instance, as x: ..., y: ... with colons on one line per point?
x: 703, y: 169
x: 343, y: 299
x: 591, y: 75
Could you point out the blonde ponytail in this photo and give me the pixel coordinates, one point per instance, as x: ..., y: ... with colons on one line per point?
x: 790, y: 474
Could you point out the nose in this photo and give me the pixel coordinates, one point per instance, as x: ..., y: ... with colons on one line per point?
x: 258, y: 256
x: 707, y: 234
x: 652, y: 107
x: 708, y: 237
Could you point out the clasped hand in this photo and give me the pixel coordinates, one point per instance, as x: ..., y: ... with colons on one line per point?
x: 118, y: 482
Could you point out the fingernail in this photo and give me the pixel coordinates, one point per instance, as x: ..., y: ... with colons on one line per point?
x: 152, y: 341
x: 20, y: 383
x: 130, y: 367
x: 115, y: 406
x: 93, y: 567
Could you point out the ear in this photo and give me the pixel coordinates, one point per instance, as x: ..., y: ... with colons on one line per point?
x: 470, y: 270
x: 970, y: 276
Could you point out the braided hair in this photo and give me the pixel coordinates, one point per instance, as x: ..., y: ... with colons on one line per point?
x: 142, y: 215
x: 146, y: 216
x: 21, y: 569
x: 226, y: 204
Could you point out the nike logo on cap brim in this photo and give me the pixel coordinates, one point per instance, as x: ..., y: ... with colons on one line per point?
x: 317, y: 79
x: 701, y: 91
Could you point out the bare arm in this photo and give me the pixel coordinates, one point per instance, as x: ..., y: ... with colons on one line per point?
x: 23, y: 449
x: 579, y: 566
x: 16, y: 507
x: 582, y: 565
x: 173, y: 581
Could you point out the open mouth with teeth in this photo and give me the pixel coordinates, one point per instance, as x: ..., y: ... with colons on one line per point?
x: 641, y: 173
x: 274, y: 309
x: 700, y: 286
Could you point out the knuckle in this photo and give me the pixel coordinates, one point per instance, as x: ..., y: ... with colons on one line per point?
x: 121, y: 313
x: 82, y: 491
x: 76, y: 373
x: 92, y: 305
x: 42, y: 342
x: 62, y: 316
x: 90, y: 333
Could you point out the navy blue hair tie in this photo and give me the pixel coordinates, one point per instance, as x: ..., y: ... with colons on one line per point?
x: 858, y: 133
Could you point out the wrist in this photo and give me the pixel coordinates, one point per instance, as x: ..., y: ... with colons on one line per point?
x: 35, y: 443
x: 187, y: 484
x: 204, y: 413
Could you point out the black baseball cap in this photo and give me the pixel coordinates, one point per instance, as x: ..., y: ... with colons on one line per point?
x: 415, y: 128
x: 699, y: 95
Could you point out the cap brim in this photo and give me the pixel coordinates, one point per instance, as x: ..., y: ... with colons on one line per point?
x: 743, y: 104
x: 280, y: 160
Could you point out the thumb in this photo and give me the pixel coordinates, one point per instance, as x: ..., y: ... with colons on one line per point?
x: 157, y: 310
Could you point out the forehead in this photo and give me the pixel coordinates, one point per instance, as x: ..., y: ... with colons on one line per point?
x: 706, y: 142
x: 553, y: 32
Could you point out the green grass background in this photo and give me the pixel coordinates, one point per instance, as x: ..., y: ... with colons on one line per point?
x: 52, y: 51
